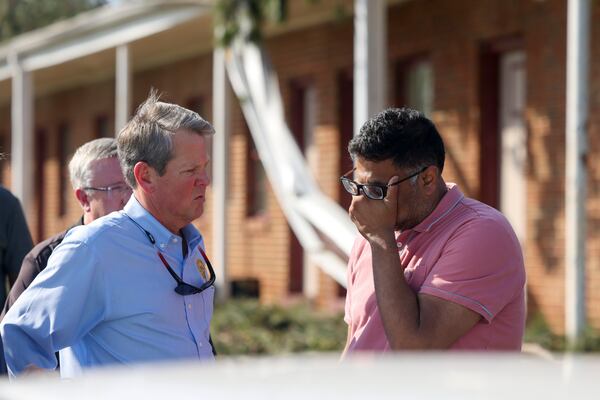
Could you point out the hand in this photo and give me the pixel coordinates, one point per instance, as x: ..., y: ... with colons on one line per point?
x: 32, y: 369
x: 376, y: 219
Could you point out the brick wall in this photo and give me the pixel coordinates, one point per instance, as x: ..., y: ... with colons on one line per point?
x: 451, y: 34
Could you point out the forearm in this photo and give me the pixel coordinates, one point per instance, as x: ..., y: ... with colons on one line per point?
x: 398, y: 304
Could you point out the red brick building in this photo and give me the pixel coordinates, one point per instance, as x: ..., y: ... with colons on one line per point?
x: 491, y: 74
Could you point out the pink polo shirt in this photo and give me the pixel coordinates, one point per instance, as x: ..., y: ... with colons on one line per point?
x: 464, y: 252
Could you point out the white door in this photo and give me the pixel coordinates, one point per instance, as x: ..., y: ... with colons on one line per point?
x: 513, y: 141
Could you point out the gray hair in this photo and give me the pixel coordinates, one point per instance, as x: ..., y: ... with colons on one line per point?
x: 148, y: 136
x: 80, y: 164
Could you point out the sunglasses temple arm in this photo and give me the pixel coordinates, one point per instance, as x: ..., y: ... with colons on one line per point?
x: 213, y: 276
x: 173, y: 274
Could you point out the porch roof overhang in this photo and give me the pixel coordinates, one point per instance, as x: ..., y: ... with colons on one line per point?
x: 81, y: 49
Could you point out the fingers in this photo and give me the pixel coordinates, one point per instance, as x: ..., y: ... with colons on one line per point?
x: 358, y: 210
x: 392, y: 191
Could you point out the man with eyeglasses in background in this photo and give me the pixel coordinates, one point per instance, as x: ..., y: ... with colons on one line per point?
x: 134, y: 286
x: 433, y: 268
x: 98, y: 186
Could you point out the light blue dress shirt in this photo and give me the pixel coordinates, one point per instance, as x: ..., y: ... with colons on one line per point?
x: 106, y: 298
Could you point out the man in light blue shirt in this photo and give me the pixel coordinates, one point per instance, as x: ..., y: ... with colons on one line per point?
x: 134, y: 286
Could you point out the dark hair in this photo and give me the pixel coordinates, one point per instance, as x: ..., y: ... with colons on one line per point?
x: 404, y: 135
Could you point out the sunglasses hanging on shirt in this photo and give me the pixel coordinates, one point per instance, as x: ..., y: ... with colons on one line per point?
x: 182, y: 288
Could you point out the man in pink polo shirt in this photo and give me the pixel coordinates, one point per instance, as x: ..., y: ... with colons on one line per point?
x: 433, y: 269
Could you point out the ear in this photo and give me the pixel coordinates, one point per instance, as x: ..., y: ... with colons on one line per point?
x: 83, y: 199
x: 145, y: 176
x: 429, y: 178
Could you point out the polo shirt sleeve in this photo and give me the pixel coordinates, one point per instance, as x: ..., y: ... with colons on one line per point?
x: 480, y: 268
x: 62, y: 304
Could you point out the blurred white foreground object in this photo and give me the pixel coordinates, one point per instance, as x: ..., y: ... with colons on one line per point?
x: 401, y: 376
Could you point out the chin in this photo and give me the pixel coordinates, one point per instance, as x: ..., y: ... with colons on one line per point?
x: 198, y: 212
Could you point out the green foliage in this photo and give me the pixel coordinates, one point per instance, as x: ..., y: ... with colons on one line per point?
x: 246, y: 18
x: 230, y: 14
x: 539, y: 332
x: 246, y: 327
x: 19, y: 16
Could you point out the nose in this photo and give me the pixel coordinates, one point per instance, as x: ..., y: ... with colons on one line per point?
x: 203, y: 179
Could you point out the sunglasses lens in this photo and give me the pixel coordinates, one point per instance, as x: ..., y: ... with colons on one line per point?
x: 350, y: 187
x: 185, y: 289
x: 373, y: 192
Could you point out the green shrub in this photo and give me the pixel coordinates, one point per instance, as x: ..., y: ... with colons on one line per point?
x: 538, y: 331
x: 246, y: 327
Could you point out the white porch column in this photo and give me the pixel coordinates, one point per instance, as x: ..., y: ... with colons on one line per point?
x: 370, y: 59
x: 122, y: 87
x: 22, y: 148
x: 578, y: 47
x: 220, y: 170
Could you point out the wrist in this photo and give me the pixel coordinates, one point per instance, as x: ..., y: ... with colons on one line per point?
x: 382, y: 241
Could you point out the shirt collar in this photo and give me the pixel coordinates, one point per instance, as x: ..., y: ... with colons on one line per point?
x: 450, y: 200
x: 161, y: 234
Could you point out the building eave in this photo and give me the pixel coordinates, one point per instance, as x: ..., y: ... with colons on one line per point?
x: 95, y: 31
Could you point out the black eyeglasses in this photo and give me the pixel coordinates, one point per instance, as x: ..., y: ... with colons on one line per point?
x: 183, y: 288
x: 372, y: 190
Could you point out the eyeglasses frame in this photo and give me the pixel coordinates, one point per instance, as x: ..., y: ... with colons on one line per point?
x: 384, y: 188
x: 109, y: 190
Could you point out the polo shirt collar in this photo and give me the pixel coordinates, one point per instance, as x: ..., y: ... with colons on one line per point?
x: 450, y: 200
x: 161, y: 234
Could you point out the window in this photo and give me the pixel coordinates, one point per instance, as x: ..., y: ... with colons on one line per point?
x: 414, y: 79
x: 345, y: 84
x: 256, y: 180
x: 196, y: 104
x: 63, y: 146
x: 303, y: 119
x: 40, y: 161
x: 102, y: 128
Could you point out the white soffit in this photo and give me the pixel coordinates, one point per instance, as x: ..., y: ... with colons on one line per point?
x: 95, y: 31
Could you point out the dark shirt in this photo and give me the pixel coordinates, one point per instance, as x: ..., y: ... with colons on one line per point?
x: 15, y: 240
x: 34, y: 262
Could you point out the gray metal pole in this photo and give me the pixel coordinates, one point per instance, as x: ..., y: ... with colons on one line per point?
x: 370, y: 59
x: 220, y: 170
x: 122, y: 87
x: 578, y: 44
x: 22, y: 121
